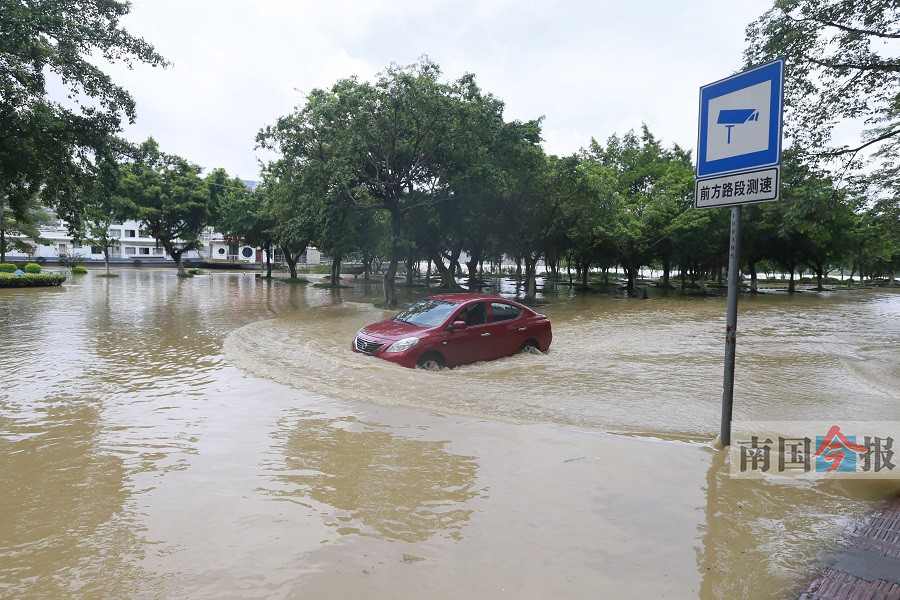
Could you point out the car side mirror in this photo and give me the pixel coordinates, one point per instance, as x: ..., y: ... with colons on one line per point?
x: 459, y: 325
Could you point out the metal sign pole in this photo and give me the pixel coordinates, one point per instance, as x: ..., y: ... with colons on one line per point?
x: 734, y: 268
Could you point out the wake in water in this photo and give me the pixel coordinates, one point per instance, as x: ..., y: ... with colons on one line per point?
x: 651, y: 367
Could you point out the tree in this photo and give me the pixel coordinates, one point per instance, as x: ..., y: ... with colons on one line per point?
x: 245, y: 215
x: 99, y: 203
x: 44, y: 144
x: 166, y: 194
x: 289, y: 209
x: 369, y: 146
x: 24, y: 223
x: 842, y: 65
x: 642, y: 200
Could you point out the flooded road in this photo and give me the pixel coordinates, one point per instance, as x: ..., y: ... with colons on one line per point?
x: 215, y: 437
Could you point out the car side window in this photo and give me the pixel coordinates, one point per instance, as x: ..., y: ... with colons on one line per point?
x: 474, y: 314
x: 505, y: 312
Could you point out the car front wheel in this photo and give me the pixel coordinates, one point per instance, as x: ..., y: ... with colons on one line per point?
x: 430, y: 362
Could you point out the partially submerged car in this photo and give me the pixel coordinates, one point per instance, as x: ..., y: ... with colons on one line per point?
x: 447, y: 330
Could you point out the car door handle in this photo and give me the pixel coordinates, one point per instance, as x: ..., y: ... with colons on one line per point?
x: 523, y: 329
x: 485, y: 334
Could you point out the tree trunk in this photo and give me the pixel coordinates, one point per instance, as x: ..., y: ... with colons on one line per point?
x: 702, y: 281
x: 472, y: 265
x: 631, y: 272
x: 268, y: 260
x: 291, y: 260
x: 530, y: 278
x: 518, y: 268
x: 410, y: 266
x: 791, y: 287
x: 585, y: 271
x: 176, y: 256
x: 390, y: 282
x: 819, y: 275
x: 448, y: 282
x: 754, y: 284
x: 105, y: 259
x: 336, y: 270
x: 2, y: 240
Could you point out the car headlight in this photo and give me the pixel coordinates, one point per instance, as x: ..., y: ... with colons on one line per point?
x: 403, y: 345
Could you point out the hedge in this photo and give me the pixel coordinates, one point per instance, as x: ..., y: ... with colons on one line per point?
x: 7, y: 268
x: 8, y: 280
x: 32, y: 268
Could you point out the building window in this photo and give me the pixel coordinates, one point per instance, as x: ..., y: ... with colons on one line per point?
x: 129, y: 250
x: 158, y: 251
x: 144, y: 251
x: 247, y: 252
x: 130, y: 233
x: 221, y: 251
x: 96, y: 250
x: 115, y: 233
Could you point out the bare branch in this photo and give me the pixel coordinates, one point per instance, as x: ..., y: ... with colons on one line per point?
x: 845, y: 150
x: 848, y: 29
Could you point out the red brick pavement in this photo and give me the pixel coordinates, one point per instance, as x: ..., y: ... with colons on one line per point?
x: 870, y: 569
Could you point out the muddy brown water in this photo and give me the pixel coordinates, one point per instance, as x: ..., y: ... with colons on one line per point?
x: 215, y: 437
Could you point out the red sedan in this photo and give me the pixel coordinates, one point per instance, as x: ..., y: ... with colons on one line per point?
x: 447, y: 330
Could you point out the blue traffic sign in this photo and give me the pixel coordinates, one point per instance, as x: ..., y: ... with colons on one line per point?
x: 740, y: 121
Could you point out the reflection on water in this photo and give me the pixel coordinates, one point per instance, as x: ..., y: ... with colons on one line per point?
x: 53, y: 464
x: 748, y: 522
x: 372, y: 482
x: 138, y: 460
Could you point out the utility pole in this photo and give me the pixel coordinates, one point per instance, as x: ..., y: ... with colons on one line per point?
x: 734, y: 275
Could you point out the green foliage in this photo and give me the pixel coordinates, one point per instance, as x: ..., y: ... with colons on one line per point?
x: 166, y: 194
x: 370, y: 146
x: 32, y: 268
x: 841, y: 68
x: 25, y: 219
x: 46, y: 144
x: 79, y: 270
x: 647, y: 210
x: 195, y: 271
x: 8, y: 280
x: 7, y: 268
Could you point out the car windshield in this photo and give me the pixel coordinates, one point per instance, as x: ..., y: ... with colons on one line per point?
x: 427, y: 313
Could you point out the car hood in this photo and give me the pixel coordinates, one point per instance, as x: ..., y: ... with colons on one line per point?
x: 390, y: 330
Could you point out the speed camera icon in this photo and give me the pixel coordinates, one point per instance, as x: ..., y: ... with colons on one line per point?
x: 731, y: 117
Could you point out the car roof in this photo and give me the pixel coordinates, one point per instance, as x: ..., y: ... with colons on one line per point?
x: 461, y: 298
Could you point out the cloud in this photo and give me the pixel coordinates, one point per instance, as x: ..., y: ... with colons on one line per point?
x: 590, y: 68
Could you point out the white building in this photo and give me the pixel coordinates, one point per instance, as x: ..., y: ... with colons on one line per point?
x: 216, y: 246
x: 136, y: 246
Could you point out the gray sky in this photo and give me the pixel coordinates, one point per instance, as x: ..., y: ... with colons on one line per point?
x: 590, y: 68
